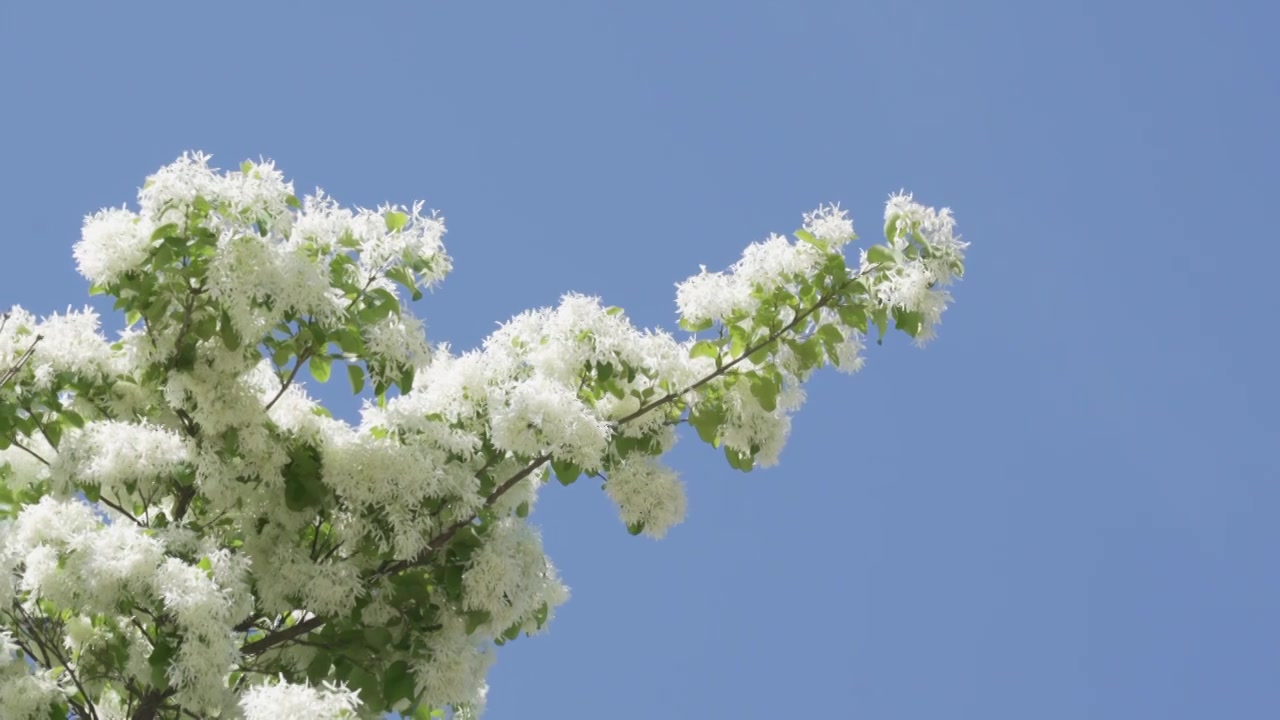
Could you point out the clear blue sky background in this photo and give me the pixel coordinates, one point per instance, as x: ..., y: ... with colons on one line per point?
x: 1066, y: 507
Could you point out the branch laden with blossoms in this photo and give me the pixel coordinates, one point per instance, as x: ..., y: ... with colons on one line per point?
x: 189, y: 534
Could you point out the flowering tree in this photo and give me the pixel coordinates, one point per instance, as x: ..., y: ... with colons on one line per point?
x: 187, y: 533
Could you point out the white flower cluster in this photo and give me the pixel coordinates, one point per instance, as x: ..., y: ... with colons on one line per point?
x: 764, y: 266
x: 917, y: 285
x: 61, y: 552
x: 283, y: 700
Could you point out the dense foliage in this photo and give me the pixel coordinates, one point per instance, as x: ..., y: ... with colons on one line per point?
x: 186, y: 533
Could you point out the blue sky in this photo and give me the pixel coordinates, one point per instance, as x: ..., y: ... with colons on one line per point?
x: 1065, y: 507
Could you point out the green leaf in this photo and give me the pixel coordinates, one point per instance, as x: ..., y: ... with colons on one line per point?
x: 635, y: 528
x: 879, y: 254
x: 186, y: 357
x: 404, y: 276
x: 476, y: 618
x: 230, y: 338
x: 738, y: 339
x: 72, y: 418
x: 205, y: 327
x: 761, y: 354
x: 426, y: 712
x: 891, y: 226
x: 53, y: 432
x: 318, y: 669
x: 907, y: 321
x: 396, y: 220
x: 398, y: 683
x: 159, y: 661
x: 613, y: 310
x: 540, y: 615
x: 738, y: 460
x: 808, y: 237
x: 167, y: 230
x: 293, y: 202
x: 707, y: 418
x: 855, y: 316
x: 522, y: 510
x: 881, y: 318
x: 566, y: 472
x: 695, y: 326
x: 246, y: 167
x: 704, y: 348
x: 377, y: 638
x: 831, y: 338
x: 765, y: 392
x: 303, y: 487
x: 355, y: 373
x: 319, y: 365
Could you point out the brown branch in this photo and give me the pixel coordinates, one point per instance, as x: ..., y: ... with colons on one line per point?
x: 302, y: 627
x: 121, y: 510
x: 17, y: 367
x: 302, y: 358
x: 27, y: 450
x: 723, y: 369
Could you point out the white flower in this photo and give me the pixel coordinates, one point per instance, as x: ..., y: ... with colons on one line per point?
x: 112, y: 243
x: 288, y: 701
x: 830, y: 223
x: 111, y: 453
x: 647, y: 494
x: 455, y: 671
x: 510, y: 577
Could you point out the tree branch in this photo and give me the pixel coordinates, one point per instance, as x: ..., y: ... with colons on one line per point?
x: 17, y: 367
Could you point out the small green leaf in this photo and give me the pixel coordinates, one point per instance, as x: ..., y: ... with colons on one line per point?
x: 303, y: 487
x: 761, y: 354
x: 377, y: 638
x: 707, y: 418
x: 879, y: 254
x: 738, y: 339
x: 738, y: 460
x: 704, y: 348
x: 891, y: 226
x: 246, y: 167
x: 566, y: 472
x: 613, y: 310
x: 765, y: 392
x: 319, y: 666
x: 230, y: 338
x: 910, y: 322
x: 695, y: 326
x: 293, y: 202
x: 476, y: 618
x: 355, y: 373
x: 398, y: 683
x: 881, y: 319
x: 319, y: 365
x: 855, y: 316
x: 808, y: 237
x: 635, y: 528
x: 522, y: 510
x: 164, y: 231
x: 396, y: 220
